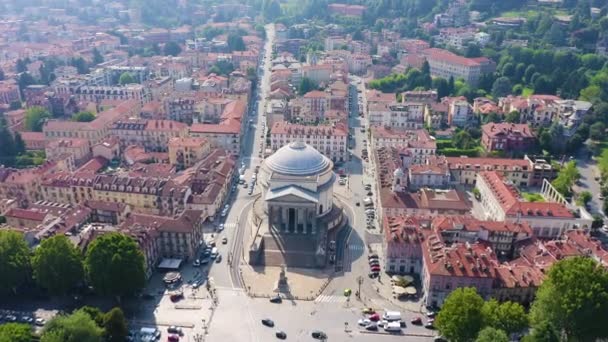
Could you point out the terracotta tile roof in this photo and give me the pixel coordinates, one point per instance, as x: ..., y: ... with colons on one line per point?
x: 510, y: 201
x: 469, y: 223
x: 449, y: 57
x: 460, y: 260
x: 497, y: 164
x: 25, y: 214
x: 507, y: 129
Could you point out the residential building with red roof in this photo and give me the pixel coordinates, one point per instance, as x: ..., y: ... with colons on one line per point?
x: 433, y: 173
x: 9, y: 92
x: 526, y: 172
x: 446, y: 64
x: 508, y: 137
x: 330, y: 140
x: 501, y: 201
x: 417, y: 142
x: 226, y: 134
x: 185, y: 152
x: 95, y: 131
x: 78, y: 149
x: 153, y: 135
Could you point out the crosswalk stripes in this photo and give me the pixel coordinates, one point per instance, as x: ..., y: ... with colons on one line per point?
x: 229, y: 225
x: 330, y: 299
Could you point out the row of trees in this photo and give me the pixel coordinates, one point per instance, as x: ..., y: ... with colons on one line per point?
x: 88, y: 324
x: 573, y: 294
x: 113, y: 265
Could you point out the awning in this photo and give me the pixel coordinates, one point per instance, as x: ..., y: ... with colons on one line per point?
x: 410, y: 290
x: 170, y: 264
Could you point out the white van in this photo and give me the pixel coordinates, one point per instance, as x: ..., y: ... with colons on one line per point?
x: 392, y: 316
x: 214, y: 253
x: 393, y: 327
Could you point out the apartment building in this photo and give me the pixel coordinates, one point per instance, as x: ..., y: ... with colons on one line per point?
x: 407, y: 115
x: 418, y: 144
x: 78, y: 149
x: 95, y: 131
x: 501, y: 202
x: 508, y: 137
x: 330, y: 140
x: 446, y: 64
x: 9, y: 92
x: 185, y: 152
x: 526, y: 172
x: 153, y: 135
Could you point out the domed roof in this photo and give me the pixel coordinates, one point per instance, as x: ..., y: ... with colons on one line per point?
x: 297, y: 159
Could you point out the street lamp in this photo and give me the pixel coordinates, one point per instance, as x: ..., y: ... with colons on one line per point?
x: 359, y: 282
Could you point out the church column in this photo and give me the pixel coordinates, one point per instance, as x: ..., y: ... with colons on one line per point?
x: 304, y: 220
x: 285, y: 219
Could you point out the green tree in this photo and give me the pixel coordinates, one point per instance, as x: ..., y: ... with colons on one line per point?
x: 235, y: 42
x: 85, y: 116
x: 15, y: 332
x: 306, y: 85
x: 490, y: 334
x: 35, y: 117
x: 509, y: 317
x: 501, y: 87
x: 115, y: 326
x: 572, y: 296
x: 115, y: 265
x: 96, y: 315
x: 513, y: 117
x: 14, y: 261
x: 543, y: 332
x: 460, y: 318
x: 463, y: 140
x: 566, y: 178
x: 584, y: 198
x: 97, y: 57
x: 172, y: 49
x: 126, y: 78
x: 77, y: 327
x: 57, y: 265
x: 597, y: 131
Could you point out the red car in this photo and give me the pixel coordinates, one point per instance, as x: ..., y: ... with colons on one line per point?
x: 374, y: 318
x: 375, y: 268
x: 417, y: 321
x: 173, y: 338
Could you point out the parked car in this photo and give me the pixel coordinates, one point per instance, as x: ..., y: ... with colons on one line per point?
x: 176, y: 297
x: 173, y: 338
x: 218, y: 259
x: 40, y: 322
x: 429, y: 325
x: 276, y: 299
x: 268, y: 322
x: 224, y: 240
x: 363, y: 322
x: 319, y: 335
x: 375, y: 317
x: 281, y: 335
x: 372, y: 327
x: 416, y: 320
x: 175, y: 330
x: 196, y: 263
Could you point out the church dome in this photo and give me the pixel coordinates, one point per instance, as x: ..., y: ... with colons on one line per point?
x: 297, y: 159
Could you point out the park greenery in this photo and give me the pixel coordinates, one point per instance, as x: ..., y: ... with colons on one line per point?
x: 35, y: 118
x: 57, y: 265
x: 573, y: 293
x: 113, y: 265
x: 567, y: 176
x: 85, y: 116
